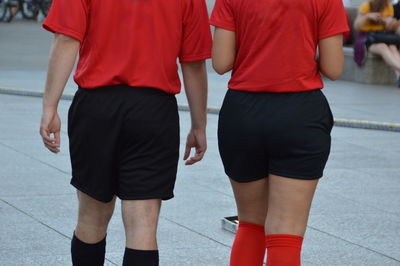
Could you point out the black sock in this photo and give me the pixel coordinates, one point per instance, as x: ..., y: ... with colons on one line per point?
x: 133, y: 257
x: 84, y: 254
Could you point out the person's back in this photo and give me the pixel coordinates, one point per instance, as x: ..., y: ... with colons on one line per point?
x: 123, y: 123
x: 275, y: 123
x: 133, y: 42
x: 277, y: 41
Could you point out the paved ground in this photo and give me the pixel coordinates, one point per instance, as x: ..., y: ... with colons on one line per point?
x: 355, y: 218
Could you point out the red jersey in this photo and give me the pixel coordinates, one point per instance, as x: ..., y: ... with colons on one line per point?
x: 277, y: 41
x: 133, y: 42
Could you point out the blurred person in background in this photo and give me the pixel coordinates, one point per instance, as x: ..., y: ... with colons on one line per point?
x: 376, y: 25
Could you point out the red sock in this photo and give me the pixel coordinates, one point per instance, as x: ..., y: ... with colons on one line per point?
x: 283, y: 250
x: 249, y: 246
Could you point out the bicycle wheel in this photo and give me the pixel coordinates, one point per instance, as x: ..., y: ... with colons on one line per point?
x: 29, y: 9
x: 45, y: 6
x: 3, y: 9
x: 9, y: 10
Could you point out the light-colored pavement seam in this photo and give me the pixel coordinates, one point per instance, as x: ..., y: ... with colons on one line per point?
x: 194, y: 231
x: 44, y: 224
x: 35, y: 159
x: 339, y: 122
x: 352, y: 243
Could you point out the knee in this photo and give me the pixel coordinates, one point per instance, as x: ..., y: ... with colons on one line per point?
x: 380, y: 48
x: 99, y: 217
x: 283, y: 224
x: 140, y: 216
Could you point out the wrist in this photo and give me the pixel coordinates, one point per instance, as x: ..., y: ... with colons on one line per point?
x: 49, y: 108
x: 200, y: 127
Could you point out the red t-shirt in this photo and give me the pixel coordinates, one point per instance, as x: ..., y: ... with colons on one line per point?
x: 133, y: 42
x: 277, y: 41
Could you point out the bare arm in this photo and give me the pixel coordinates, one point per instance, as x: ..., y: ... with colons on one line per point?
x: 62, y: 59
x: 331, y: 58
x: 195, y: 80
x: 224, y: 50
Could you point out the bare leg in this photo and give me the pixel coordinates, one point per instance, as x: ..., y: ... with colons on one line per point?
x: 140, y: 220
x: 387, y: 54
x: 288, y: 211
x: 252, y: 204
x: 93, y: 218
x: 396, y: 54
x: 289, y: 205
x: 251, y: 200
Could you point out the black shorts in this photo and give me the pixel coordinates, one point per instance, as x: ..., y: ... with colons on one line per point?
x: 284, y: 134
x: 124, y: 141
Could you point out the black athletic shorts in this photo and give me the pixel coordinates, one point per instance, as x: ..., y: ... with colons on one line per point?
x: 284, y: 134
x: 124, y: 141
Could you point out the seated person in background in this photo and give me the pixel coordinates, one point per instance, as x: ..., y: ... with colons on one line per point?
x: 374, y: 22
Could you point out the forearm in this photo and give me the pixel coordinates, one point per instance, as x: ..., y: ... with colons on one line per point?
x: 360, y: 21
x: 195, y: 81
x: 62, y: 59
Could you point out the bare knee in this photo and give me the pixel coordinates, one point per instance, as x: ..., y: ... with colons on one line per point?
x: 93, y: 218
x: 379, y: 48
x: 140, y: 221
x: 251, y: 200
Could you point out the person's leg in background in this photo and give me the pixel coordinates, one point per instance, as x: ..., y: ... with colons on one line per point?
x: 252, y: 205
x: 288, y: 211
x: 140, y: 221
x: 89, y: 241
x: 389, y: 55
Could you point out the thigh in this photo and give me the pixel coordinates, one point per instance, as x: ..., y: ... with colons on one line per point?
x: 379, y: 49
x: 93, y: 210
x: 240, y: 139
x: 289, y: 205
x: 251, y: 200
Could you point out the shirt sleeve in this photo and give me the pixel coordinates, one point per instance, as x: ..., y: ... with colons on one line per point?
x: 364, y: 8
x: 333, y: 20
x: 391, y: 11
x: 222, y: 16
x: 196, y: 36
x: 68, y: 17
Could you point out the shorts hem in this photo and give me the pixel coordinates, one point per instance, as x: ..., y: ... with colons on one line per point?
x: 147, y: 197
x: 91, y: 194
x: 295, y: 176
x: 247, y: 180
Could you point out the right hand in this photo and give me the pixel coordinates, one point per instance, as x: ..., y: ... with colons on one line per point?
x: 196, y: 139
x: 50, y: 127
x: 375, y: 16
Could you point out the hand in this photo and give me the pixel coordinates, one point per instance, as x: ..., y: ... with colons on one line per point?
x: 375, y: 16
x: 50, y: 127
x: 391, y: 24
x: 195, y: 139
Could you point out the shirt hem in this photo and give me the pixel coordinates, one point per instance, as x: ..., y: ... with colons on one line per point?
x: 222, y: 25
x: 333, y: 33
x: 195, y: 58
x: 64, y: 31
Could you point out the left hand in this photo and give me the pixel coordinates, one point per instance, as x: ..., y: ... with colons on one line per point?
x: 195, y: 139
x: 50, y: 127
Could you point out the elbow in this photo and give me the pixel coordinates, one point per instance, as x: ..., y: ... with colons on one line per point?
x: 221, y: 68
